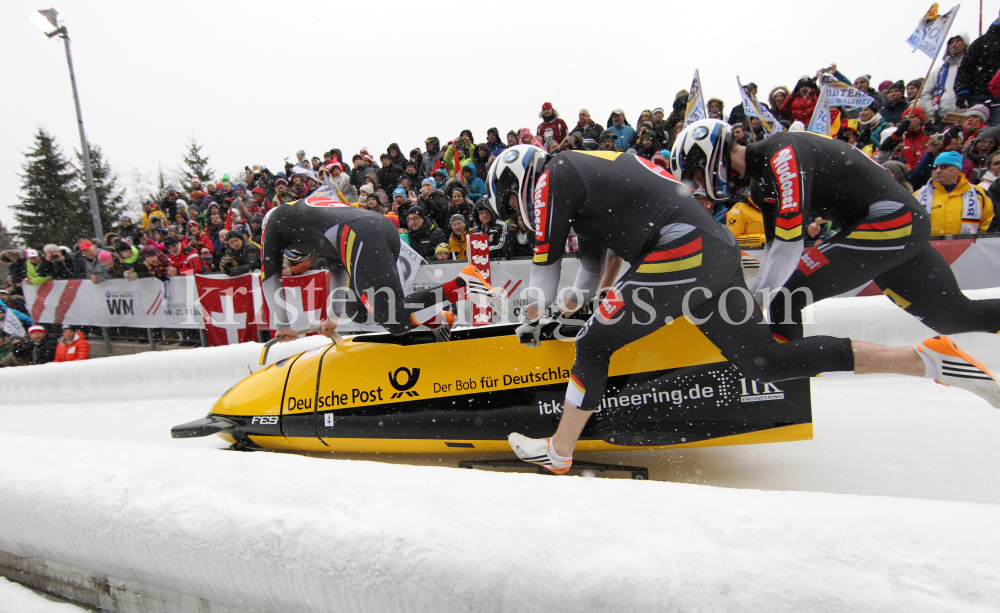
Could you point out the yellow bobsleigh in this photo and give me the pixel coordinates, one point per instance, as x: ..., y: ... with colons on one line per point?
x: 407, y: 394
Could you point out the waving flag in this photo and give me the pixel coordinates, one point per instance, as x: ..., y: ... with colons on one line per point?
x: 820, y: 122
x: 932, y: 31
x: 12, y: 325
x: 696, y: 102
x: 753, y: 108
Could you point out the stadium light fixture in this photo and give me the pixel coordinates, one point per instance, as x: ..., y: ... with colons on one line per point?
x: 47, y: 21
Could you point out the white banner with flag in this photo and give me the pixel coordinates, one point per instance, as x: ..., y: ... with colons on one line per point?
x: 932, y: 31
x: 820, y: 122
x: 696, y: 110
x: 839, y: 93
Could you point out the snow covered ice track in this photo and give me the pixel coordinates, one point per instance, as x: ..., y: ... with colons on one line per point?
x: 91, y: 478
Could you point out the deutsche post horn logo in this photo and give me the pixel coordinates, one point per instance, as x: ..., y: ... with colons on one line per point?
x: 404, y: 386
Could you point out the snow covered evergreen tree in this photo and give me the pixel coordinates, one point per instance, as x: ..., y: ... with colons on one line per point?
x: 50, y: 200
x: 7, y: 238
x: 195, y: 165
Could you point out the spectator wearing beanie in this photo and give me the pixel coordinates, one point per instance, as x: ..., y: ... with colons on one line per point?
x: 520, y: 240
x: 38, y: 349
x: 486, y: 223
x: 431, y: 157
x: 423, y: 234
x: 156, y: 263
x: 493, y: 143
x: 183, y: 259
x: 388, y: 175
x: 975, y: 118
x: 441, y: 252
x: 242, y: 256
x: 799, y: 106
x: 895, y: 103
x: 511, y: 138
x: 914, y: 139
x: 552, y: 127
x: 954, y: 205
x: 870, y: 127
x: 458, y: 238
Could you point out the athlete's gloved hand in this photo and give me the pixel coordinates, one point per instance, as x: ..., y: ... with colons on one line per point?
x: 529, y: 333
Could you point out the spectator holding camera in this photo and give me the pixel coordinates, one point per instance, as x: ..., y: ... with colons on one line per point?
x: 39, y: 348
x: 54, y: 264
x: 242, y: 256
x: 182, y: 260
x: 909, y: 133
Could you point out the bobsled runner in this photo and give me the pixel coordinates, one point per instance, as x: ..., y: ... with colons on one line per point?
x: 408, y: 394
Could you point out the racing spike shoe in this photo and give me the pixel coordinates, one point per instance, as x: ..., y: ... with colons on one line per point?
x: 481, y: 293
x: 538, y: 451
x: 955, y: 368
x: 441, y: 326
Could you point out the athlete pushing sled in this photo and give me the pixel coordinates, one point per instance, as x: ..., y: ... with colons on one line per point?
x: 682, y: 262
x: 362, y: 248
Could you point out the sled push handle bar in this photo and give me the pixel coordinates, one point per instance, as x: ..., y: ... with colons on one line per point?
x: 267, y: 346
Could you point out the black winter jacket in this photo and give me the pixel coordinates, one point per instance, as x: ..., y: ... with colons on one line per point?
x: 980, y: 63
x: 246, y: 259
x: 425, y: 239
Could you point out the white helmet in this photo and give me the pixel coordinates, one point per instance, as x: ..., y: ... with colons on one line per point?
x: 704, y: 144
x: 514, y: 172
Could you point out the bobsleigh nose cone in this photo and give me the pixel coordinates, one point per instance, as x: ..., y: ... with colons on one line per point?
x: 202, y: 427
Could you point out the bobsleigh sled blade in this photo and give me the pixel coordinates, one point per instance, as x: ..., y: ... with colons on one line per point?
x: 202, y: 427
x: 385, y: 394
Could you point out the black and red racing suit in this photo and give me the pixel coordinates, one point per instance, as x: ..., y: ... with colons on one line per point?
x: 362, y: 248
x: 682, y: 262
x: 883, y: 237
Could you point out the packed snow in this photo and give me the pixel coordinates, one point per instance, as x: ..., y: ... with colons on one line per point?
x: 893, y: 506
x: 16, y: 598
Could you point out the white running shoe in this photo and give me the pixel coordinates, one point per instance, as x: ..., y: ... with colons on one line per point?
x: 481, y: 293
x: 955, y: 368
x: 441, y: 326
x: 538, y: 451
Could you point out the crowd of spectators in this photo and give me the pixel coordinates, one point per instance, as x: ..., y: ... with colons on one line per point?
x: 940, y: 139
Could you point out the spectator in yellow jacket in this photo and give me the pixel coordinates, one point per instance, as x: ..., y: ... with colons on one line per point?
x: 746, y: 223
x: 149, y: 211
x: 955, y: 205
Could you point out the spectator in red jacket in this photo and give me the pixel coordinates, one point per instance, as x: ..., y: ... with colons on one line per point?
x: 914, y: 139
x: 800, y: 105
x: 182, y: 260
x: 552, y: 128
x: 73, y: 346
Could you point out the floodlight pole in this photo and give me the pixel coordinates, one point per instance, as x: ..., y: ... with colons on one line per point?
x: 91, y: 190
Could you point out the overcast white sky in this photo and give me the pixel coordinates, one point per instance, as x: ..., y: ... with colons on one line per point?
x: 255, y: 81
